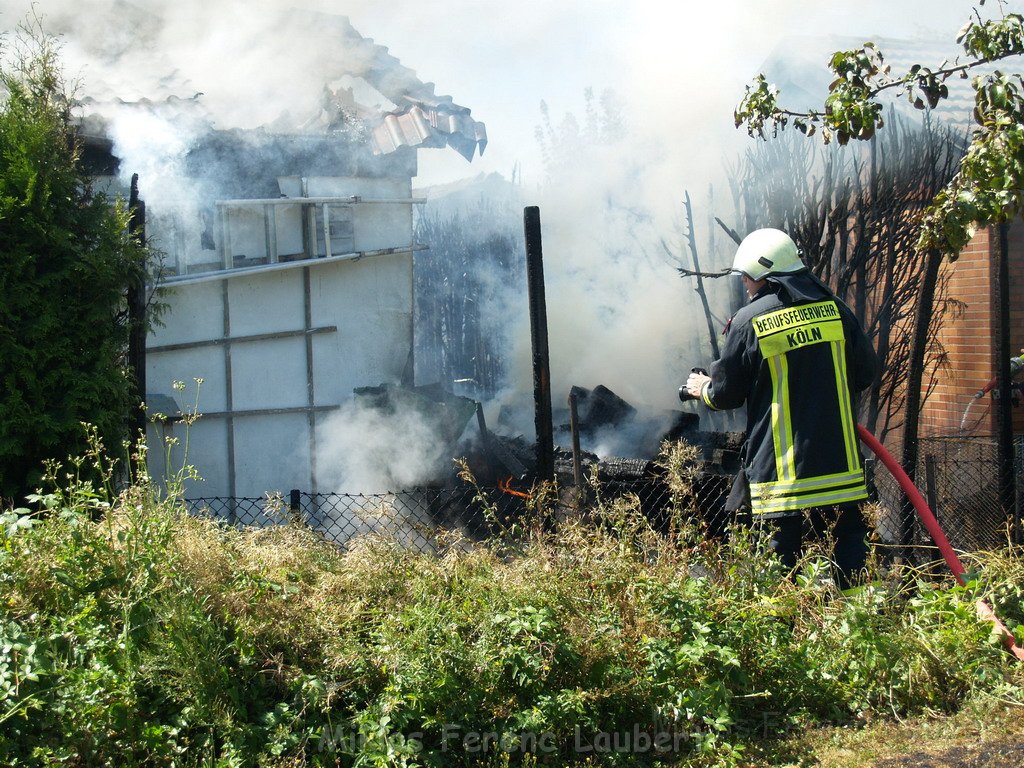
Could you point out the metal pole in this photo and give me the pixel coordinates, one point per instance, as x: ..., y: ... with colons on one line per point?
x: 1004, y: 416
x: 539, y: 338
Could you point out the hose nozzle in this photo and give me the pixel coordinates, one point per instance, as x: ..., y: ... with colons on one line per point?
x: 684, y: 395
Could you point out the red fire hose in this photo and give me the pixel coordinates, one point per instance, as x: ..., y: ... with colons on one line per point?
x: 938, y: 536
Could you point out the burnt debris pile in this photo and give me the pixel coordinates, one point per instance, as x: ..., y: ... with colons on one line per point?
x: 509, y: 463
x: 505, y: 467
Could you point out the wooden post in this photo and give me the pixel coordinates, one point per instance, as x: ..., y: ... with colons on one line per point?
x: 539, y: 338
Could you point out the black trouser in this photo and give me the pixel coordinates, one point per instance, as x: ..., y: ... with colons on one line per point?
x: 845, y: 524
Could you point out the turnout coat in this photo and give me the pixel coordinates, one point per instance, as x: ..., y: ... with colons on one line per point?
x: 797, y: 357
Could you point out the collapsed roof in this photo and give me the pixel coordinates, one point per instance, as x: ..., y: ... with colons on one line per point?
x: 366, y: 90
x: 419, y: 117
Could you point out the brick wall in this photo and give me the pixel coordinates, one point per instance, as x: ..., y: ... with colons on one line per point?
x: 970, y: 339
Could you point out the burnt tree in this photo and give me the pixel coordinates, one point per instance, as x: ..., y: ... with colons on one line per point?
x: 459, y: 288
x: 854, y: 212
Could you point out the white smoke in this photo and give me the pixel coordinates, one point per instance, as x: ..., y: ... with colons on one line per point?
x: 618, y: 313
x: 375, y: 451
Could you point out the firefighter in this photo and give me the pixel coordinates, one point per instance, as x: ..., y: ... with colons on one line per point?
x: 796, y: 356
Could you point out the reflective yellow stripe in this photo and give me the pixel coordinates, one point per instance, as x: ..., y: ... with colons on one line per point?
x: 809, y: 484
x: 782, y: 427
x: 788, y: 339
x: 706, y: 398
x: 789, y: 454
x: 813, y: 492
x: 791, y: 503
x: 846, y: 415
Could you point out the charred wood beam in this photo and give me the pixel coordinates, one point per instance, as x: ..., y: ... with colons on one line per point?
x: 729, y: 231
x: 539, y: 338
x: 495, y: 450
x: 694, y: 273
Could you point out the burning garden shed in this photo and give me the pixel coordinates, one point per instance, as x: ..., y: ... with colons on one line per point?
x: 287, y: 252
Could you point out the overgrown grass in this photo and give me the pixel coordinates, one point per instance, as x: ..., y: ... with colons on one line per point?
x: 152, y: 637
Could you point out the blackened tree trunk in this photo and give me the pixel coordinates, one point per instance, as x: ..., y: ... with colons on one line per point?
x: 915, y: 369
x: 691, y: 237
x: 1004, y: 424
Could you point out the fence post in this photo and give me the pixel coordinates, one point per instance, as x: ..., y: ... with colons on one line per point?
x: 577, y: 466
x: 929, y: 479
x: 295, y: 505
x: 930, y: 489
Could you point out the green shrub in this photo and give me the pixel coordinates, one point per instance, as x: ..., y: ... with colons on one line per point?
x: 66, y: 261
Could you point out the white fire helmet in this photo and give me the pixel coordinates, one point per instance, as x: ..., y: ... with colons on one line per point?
x: 766, y: 252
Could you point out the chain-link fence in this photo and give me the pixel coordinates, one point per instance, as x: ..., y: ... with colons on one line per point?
x: 960, y: 479
x: 958, y: 476
x: 415, y: 517
x: 410, y: 517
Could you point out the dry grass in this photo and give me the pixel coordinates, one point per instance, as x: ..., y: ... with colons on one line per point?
x: 987, y: 733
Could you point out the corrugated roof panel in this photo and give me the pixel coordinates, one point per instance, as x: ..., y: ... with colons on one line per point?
x: 429, y: 128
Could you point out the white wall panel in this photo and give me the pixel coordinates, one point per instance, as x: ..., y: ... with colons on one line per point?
x: 269, y: 374
x: 195, y: 313
x: 187, y: 365
x: 206, y: 442
x: 272, y: 454
x: 266, y: 303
